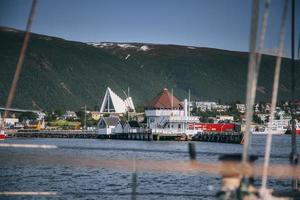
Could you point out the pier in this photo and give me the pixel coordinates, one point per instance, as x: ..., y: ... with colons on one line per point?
x: 221, y: 137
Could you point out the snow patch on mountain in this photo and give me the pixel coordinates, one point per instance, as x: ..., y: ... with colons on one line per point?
x: 145, y: 48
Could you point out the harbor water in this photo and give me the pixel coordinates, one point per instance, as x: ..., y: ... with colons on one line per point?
x: 21, y: 171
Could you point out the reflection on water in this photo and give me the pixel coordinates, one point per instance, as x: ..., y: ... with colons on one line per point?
x: 77, y: 182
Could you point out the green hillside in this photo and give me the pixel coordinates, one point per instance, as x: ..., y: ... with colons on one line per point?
x: 64, y: 74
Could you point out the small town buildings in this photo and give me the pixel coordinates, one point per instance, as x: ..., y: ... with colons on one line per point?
x: 132, y: 127
x: 263, y: 116
x: 222, y: 108
x: 112, y: 103
x: 69, y: 115
x: 241, y: 107
x: 10, y: 122
x: 205, y: 105
x: 95, y: 115
x: 107, y: 124
x: 224, y: 118
x: 120, y: 127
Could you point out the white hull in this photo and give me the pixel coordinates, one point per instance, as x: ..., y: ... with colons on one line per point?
x: 277, y: 132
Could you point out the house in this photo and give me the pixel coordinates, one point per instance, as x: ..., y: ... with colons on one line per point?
x: 120, y: 127
x: 205, y: 105
x: 95, y: 115
x: 222, y: 108
x: 132, y: 127
x: 241, y: 107
x: 107, y: 124
x: 112, y: 103
x: 69, y: 115
x: 224, y: 118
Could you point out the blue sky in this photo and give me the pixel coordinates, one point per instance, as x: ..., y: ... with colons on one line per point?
x: 223, y: 24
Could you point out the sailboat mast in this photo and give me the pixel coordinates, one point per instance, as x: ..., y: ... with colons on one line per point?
x: 189, y: 111
x: 294, y: 154
x: 172, y: 103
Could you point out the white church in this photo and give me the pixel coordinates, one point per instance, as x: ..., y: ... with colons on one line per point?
x: 112, y: 103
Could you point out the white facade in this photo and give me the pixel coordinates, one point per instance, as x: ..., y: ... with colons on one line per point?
x: 112, y: 103
x: 168, y: 121
x: 119, y: 128
x: 205, y: 105
x: 224, y: 118
x: 241, y: 107
x: 106, y: 131
x: 107, y: 125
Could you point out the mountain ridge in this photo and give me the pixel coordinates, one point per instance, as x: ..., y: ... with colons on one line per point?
x: 59, y: 73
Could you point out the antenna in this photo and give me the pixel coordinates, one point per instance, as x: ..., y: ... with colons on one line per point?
x: 125, y: 94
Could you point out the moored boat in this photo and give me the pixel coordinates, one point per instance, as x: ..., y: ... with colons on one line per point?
x: 2, y: 135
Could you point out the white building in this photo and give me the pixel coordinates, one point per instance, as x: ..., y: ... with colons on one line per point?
x: 166, y: 114
x: 107, y: 124
x: 241, y: 107
x: 132, y: 127
x: 205, y: 105
x: 112, y: 103
x: 120, y: 127
x: 224, y: 118
x: 69, y: 115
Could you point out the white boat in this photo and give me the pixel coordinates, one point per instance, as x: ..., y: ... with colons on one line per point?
x: 278, y: 127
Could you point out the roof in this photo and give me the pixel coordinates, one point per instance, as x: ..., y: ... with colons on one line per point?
x: 111, y: 121
x: 134, y: 124
x: 164, y: 101
x: 112, y: 103
x: 122, y: 123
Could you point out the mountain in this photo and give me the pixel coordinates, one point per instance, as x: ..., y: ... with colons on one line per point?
x: 58, y: 73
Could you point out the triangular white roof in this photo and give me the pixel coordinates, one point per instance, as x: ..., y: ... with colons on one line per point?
x: 112, y: 103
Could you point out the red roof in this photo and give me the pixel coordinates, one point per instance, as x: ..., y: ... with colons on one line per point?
x: 164, y: 101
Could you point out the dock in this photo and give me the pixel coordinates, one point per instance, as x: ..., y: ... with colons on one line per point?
x: 220, y: 137
x: 223, y: 137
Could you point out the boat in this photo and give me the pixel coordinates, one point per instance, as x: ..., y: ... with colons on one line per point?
x: 278, y: 127
x: 2, y: 135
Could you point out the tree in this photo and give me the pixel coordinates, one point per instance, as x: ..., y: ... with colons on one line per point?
x: 28, y: 116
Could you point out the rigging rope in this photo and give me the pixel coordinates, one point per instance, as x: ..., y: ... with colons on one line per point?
x: 262, y: 35
x: 274, y: 95
x: 294, y: 154
x: 21, y: 58
x: 251, y: 83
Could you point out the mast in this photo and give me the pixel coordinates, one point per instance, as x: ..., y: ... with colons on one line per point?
x: 172, y: 103
x: 189, y: 111
x: 294, y: 154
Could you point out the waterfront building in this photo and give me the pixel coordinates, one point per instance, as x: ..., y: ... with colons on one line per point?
x: 106, y: 125
x: 112, y: 103
x: 166, y: 114
x: 120, y: 127
x: 133, y: 127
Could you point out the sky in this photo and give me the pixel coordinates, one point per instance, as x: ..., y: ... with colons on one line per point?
x: 222, y: 24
